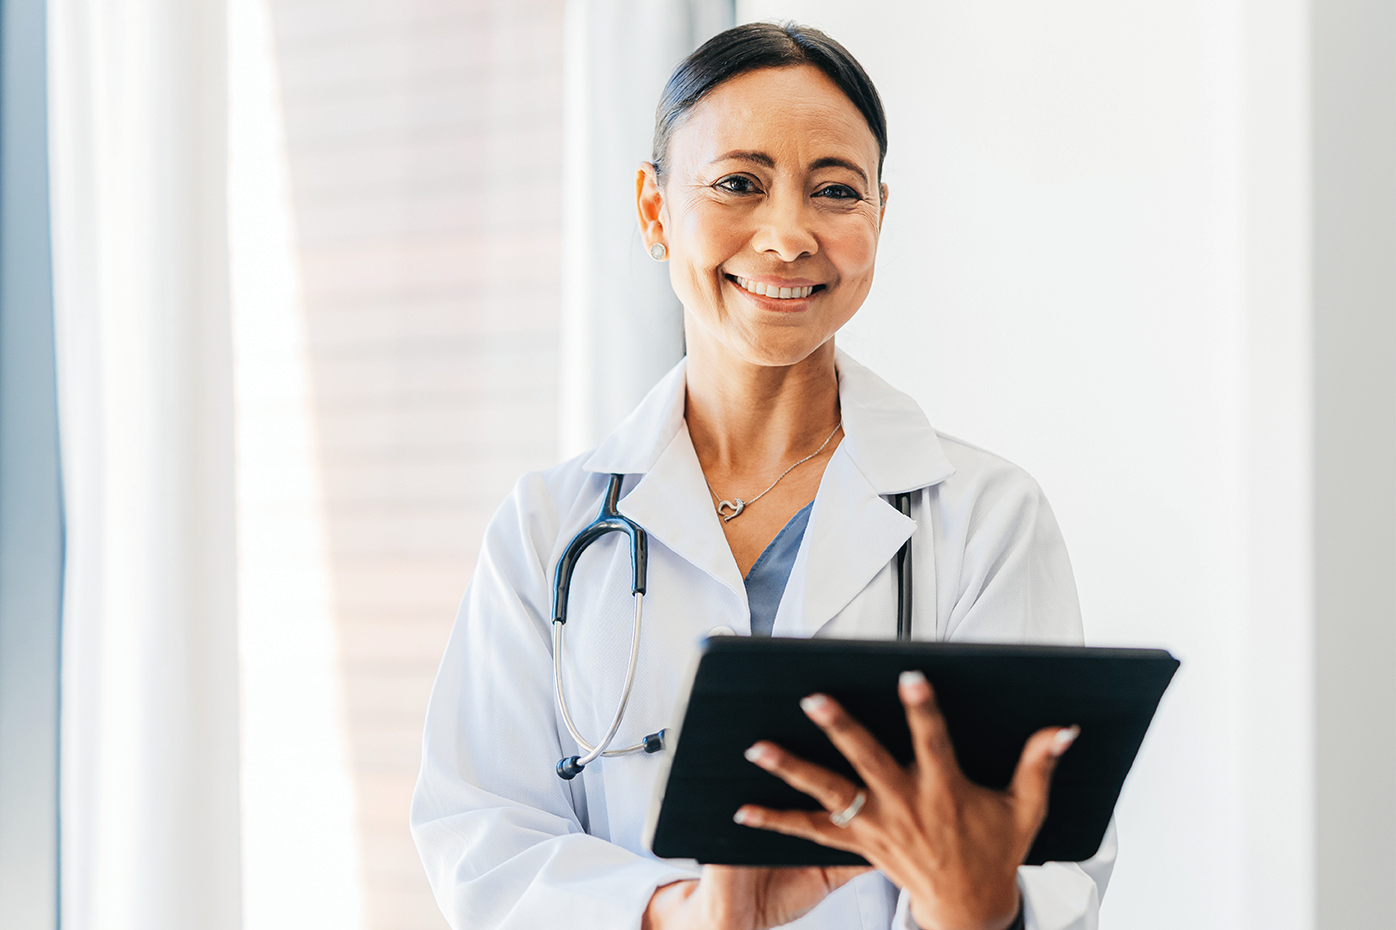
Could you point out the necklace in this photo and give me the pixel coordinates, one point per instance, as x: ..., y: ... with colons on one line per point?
x: 736, y: 507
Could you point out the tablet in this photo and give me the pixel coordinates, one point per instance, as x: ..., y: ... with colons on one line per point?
x: 993, y: 696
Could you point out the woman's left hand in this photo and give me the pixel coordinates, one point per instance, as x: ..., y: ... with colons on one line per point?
x: 952, y: 845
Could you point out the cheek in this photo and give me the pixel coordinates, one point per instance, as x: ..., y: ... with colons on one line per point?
x: 707, y: 230
x: 855, y: 250
x: 706, y: 238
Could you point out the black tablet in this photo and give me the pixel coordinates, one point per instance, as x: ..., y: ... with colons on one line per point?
x: 993, y: 696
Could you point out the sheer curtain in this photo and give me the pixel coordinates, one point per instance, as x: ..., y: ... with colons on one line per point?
x: 622, y: 326
x: 150, y: 700
x: 300, y: 852
x: 140, y: 134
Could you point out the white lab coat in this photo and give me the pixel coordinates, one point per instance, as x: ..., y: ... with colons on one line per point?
x: 508, y: 844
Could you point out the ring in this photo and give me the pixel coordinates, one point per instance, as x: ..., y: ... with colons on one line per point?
x: 844, y: 817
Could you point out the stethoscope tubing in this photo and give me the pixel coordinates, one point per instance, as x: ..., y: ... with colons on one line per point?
x: 593, y: 752
x: 609, y: 520
x: 903, y: 503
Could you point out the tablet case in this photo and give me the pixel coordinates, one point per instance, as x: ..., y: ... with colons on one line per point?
x: 993, y: 697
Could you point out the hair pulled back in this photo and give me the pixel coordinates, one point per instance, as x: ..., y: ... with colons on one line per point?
x: 752, y: 47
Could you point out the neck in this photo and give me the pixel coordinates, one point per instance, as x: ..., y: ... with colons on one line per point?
x: 748, y: 419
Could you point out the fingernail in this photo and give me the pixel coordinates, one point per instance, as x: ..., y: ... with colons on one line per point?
x: 912, y: 680
x: 757, y: 753
x: 740, y: 816
x: 816, y: 706
x: 1063, y: 740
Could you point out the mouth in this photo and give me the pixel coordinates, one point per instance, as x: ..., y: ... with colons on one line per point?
x: 775, y: 291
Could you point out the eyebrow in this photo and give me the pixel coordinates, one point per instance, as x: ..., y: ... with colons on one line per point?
x: 760, y: 158
x: 766, y: 161
x: 831, y: 162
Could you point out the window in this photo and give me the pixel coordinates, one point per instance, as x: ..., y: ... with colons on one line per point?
x: 422, y: 145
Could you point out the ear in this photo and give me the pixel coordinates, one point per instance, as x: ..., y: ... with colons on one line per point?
x: 882, y: 210
x: 649, y: 205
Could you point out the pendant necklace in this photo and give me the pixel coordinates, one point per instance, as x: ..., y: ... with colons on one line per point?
x: 730, y: 510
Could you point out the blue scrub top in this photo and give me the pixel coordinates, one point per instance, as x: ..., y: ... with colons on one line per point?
x: 765, y: 583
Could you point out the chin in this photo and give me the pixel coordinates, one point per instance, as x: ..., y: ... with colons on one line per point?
x: 779, y: 353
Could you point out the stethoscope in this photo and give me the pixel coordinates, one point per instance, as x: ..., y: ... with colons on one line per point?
x: 611, y: 520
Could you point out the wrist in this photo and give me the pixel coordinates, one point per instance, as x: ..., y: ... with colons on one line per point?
x: 928, y: 914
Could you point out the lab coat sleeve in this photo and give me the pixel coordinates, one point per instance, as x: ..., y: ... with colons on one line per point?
x: 501, y: 835
x: 1008, y: 579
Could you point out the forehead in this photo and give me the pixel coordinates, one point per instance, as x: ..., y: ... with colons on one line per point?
x: 796, y: 113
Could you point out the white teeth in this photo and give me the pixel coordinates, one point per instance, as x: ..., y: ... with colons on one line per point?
x: 770, y: 290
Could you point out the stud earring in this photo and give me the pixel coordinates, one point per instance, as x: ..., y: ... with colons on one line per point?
x: 658, y: 252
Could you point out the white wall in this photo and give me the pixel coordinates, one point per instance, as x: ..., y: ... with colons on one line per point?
x: 1354, y: 402
x: 1067, y: 277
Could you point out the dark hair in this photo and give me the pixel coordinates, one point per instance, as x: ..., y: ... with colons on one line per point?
x: 752, y: 47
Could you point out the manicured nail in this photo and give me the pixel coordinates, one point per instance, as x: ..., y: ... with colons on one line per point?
x: 757, y: 753
x: 740, y: 816
x: 914, y: 682
x: 1063, y: 740
x: 816, y: 706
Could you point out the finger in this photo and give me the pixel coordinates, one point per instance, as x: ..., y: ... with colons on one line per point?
x: 830, y: 789
x: 1032, y: 779
x: 809, y: 825
x: 930, y: 737
x: 869, y: 759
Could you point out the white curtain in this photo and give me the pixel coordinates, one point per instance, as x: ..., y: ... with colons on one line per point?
x: 300, y: 857
x: 622, y: 326
x: 150, y: 701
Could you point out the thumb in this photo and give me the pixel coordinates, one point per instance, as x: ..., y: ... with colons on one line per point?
x: 1032, y: 779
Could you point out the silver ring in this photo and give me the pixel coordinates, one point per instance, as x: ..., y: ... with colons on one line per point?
x: 844, y: 817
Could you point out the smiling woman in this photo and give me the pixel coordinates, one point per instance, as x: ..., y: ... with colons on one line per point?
x: 762, y: 469
x: 752, y: 210
x: 771, y: 224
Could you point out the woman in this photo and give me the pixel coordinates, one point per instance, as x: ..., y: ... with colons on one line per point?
x: 761, y: 467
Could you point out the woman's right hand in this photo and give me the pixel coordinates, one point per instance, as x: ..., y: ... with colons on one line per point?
x: 728, y: 897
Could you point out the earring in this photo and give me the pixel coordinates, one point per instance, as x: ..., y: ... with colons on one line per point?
x: 658, y: 252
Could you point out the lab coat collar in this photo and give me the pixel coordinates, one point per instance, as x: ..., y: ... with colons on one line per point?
x: 885, y: 433
x: 888, y: 447
x: 639, y: 441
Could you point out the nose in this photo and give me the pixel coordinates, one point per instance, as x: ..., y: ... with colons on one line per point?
x: 784, y: 228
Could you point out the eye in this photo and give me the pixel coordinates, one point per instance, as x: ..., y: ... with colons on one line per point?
x: 837, y: 192
x: 737, y: 184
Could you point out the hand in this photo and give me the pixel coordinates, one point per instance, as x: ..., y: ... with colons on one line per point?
x: 954, y: 846
x: 742, y: 898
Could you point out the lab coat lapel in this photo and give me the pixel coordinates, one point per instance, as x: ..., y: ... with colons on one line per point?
x: 671, y: 499
x: 673, y: 504
x: 853, y: 532
x: 852, y: 535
